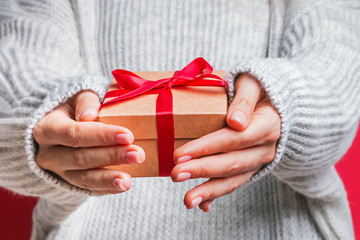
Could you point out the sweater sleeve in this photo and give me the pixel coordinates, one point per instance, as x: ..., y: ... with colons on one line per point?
x: 40, y: 67
x: 314, y: 85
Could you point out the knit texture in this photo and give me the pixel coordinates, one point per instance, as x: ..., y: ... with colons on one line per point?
x: 305, y: 54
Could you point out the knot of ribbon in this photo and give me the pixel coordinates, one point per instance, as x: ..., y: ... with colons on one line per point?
x: 196, y: 73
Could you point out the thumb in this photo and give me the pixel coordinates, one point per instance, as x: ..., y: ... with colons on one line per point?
x: 86, y: 105
x: 241, y: 109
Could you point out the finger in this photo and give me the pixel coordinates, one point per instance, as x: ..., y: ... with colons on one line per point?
x: 60, y: 158
x: 86, y: 104
x: 206, y: 205
x: 215, y: 188
x: 248, y: 92
x: 223, y: 140
x: 264, y: 129
x: 99, y: 179
x: 58, y: 129
x: 224, y: 165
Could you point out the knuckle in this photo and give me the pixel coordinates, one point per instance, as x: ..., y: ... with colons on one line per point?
x: 38, y: 131
x: 73, y: 135
x: 234, y: 168
x: 211, y: 193
x: 244, y: 104
x: 83, y: 180
x: 79, y: 159
x: 101, y: 133
x: 268, y: 158
x: 233, y: 186
x: 116, y: 156
x: 270, y: 155
x: 106, y: 176
x: 274, y: 131
x: 204, y: 146
x: 236, y: 140
x: 273, y: 153
x: 203, y: 171
x: 273, y: 135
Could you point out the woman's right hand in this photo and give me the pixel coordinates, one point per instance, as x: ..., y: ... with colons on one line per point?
x: 76, y: 148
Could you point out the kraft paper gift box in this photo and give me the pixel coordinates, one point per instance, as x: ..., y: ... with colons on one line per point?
x: 197, y: 111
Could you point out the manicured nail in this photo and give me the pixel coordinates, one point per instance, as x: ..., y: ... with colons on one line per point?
x: 133, y: 157
x: 88, y: 112
x: 183, y: 159
x: 183, y: 177
x: 119, y: 185
x: 196, y: 202
x: 238, y: 117
x: 123, y: 138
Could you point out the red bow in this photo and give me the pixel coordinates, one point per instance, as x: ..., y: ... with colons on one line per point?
x: 196, y: 73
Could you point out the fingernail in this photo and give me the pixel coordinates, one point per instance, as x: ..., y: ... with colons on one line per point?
x: 183, y: 177
x: 183, y: 159
x: 119, y: 184
x: 88, y: 112
x: 133, y: 157
x: 238, y: 117
x: 196, y: 202
x: 123, y: 138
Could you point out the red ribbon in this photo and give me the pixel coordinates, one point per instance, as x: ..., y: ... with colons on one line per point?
x: 196, y: 73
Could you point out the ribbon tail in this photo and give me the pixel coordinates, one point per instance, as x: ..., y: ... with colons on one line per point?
x: 165, y: 131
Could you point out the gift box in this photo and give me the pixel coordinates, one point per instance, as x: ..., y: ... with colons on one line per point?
x: 196, y: 111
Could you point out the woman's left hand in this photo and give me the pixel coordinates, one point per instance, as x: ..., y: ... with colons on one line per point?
x: 230, y: 156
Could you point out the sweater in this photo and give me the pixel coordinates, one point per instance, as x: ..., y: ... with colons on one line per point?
x: 305, y: 54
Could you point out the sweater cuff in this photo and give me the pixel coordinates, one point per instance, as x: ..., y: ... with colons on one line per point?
x: 266, y: 73
x: 61, y: 94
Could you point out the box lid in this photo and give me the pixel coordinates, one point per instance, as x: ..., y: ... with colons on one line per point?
x: 197, y: 110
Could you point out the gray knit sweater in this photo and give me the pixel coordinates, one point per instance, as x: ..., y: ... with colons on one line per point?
x: 306, y: 54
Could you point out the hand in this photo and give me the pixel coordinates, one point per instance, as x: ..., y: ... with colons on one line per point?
x: 230, y: 156
x: 75, y: 147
